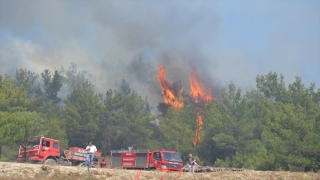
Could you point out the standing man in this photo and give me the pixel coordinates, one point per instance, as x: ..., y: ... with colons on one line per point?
x: 91, y: 149
x: 191, y: 162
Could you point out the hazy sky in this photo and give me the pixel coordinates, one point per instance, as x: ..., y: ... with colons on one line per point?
x: 230, y: 40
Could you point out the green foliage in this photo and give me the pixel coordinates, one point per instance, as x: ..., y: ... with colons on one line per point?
x: 55, y: 122
x: 125, y: 88
x: 4, y: 159
x: 71, y: 77
x: 9, y: 153
x: 23, y: 126
x: 272, y: 86
x: 28, y: 81
x: 136, y: 119
x: 18, y: 128
x: 273, y: 127
x: 54, y: 130
x: 272, y: 130
x: 177, y: 129
x: 294, y: 137
x: 83, y: 108
x: 127, y: 121
x: 221, y: 163
x: 51, y: 85
x: 12, y: 97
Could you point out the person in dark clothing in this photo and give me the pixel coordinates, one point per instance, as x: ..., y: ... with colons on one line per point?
x: 191, y: 162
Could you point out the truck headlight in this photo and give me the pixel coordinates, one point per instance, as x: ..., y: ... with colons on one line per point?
x: 163, y: 167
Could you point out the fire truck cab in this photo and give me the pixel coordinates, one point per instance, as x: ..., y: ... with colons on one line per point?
x: 42, y: 150
x: 165, y: 160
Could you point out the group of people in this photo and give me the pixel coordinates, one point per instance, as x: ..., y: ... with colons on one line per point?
x: 91, y: 149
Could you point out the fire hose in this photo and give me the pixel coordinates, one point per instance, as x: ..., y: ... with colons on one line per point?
x: 137, y: 177
x: 165, y: 174
x: 138, y: 173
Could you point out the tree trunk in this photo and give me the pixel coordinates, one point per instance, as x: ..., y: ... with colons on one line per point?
x: 105, y: 141
x: 0, y: 151
x: 24, y: 159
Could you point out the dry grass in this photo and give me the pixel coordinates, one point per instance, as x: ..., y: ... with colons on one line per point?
x: 17, y: 171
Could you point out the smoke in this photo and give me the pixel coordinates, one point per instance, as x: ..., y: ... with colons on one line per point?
x: 128, y: 39
x: 111, y: 40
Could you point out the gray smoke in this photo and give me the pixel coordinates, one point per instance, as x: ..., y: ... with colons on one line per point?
x: 111, y: 40
x: 128, y: 39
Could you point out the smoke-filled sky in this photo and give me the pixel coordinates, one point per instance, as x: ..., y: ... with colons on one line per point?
x: 229, y: 40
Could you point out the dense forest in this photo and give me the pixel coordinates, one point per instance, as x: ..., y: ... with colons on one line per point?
x: 272, y: 127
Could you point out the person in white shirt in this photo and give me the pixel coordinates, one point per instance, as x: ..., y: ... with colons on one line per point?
x: 91, y: 149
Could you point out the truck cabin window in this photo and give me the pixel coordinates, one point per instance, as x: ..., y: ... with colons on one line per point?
x: 55, y: 145
x: 156, y: 155
x: 46, y: 143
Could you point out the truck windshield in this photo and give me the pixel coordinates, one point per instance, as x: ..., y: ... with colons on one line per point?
x: 171, y: 156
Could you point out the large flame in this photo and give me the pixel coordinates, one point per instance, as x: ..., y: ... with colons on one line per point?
x: 199, y: 95
x: 168, y: 94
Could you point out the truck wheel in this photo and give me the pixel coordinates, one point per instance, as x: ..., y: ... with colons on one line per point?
x: 50, y: 161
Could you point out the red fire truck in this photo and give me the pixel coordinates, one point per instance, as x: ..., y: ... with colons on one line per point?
x: 163, y: 160
x: 48, y: 151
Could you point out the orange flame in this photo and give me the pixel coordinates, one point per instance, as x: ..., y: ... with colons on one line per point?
x: 168, y: 94
x: 199, y: 124
x: 199, y: 94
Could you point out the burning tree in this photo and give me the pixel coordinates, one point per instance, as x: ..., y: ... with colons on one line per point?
x: 170, y: 94
x: 200, y: 96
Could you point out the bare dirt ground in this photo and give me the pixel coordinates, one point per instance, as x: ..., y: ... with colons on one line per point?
x: 19, y: 171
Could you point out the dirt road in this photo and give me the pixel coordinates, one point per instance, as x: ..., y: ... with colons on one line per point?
x: 15, y: 171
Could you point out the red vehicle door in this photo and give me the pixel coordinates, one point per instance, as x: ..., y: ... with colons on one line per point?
x: 55, y: 148
x: 155, y: 160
